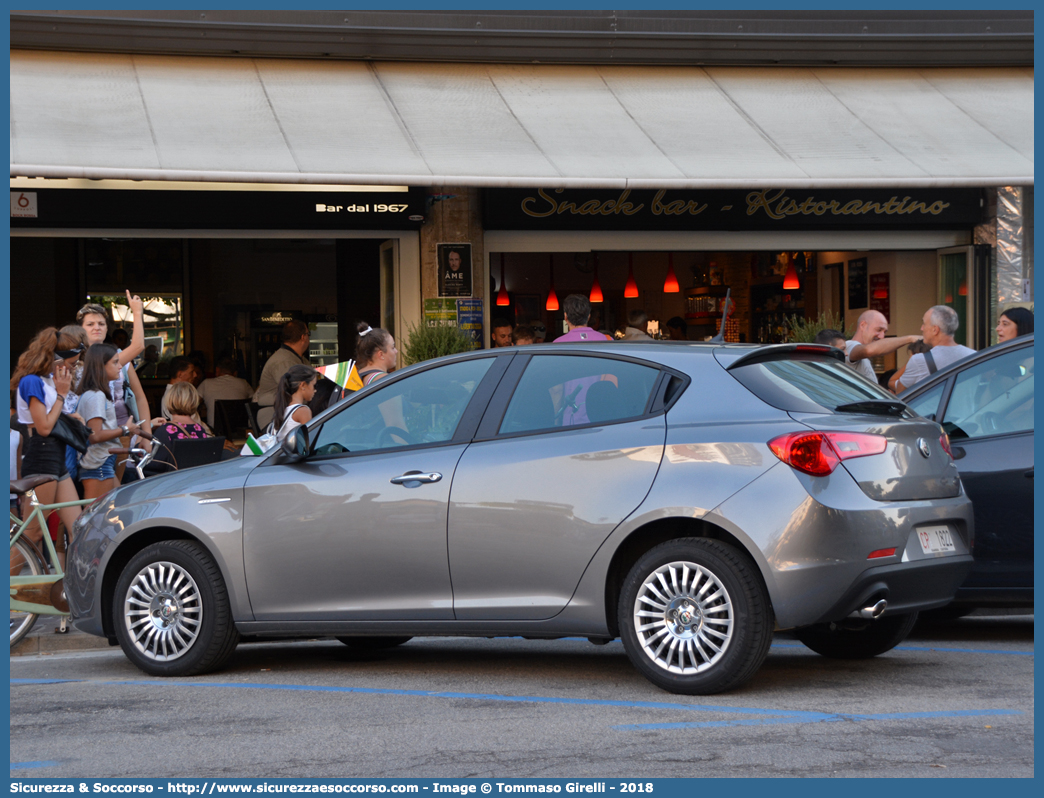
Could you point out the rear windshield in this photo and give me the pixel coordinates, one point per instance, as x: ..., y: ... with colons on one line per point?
x: 808, y: 385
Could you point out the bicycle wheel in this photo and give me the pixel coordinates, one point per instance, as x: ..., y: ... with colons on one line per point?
x: 22, y: 622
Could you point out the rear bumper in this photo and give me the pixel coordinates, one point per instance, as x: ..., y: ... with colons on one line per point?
x: 907, y: 587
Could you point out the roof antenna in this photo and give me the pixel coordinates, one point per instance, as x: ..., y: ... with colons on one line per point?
x: 720, y: 337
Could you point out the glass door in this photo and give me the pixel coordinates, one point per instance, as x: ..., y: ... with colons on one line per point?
x: 957, y: 289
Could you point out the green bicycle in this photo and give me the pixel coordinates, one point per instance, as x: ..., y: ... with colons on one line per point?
x: 37, y: 582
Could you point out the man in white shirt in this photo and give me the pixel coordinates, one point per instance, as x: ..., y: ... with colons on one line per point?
x: 226, y: 385
x: 869, y: 342
x: 938, y: 326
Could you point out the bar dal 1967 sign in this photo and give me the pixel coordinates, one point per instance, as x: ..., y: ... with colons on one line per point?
x: 761, y: 209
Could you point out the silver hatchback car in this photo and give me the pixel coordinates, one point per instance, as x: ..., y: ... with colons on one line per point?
x: 689, y: 499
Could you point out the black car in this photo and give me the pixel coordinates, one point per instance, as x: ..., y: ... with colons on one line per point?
x: 985, y: 404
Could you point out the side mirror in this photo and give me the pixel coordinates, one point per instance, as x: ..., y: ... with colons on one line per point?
x: 295, y: 445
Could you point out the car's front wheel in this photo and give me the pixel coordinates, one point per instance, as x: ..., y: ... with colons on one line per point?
x: 694, y: 617
x: 171, y: 611
x: 876, y: 637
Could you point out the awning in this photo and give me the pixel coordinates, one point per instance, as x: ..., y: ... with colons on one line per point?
x: 139, y: 117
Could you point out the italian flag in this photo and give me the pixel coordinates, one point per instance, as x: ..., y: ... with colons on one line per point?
x: 344, y: 374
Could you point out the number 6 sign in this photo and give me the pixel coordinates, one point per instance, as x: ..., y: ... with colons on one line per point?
x: 23, y: 204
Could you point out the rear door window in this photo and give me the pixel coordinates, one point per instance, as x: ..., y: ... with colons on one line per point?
x: 808, y: 384
x: 572, y: 390
x: 927, y: 404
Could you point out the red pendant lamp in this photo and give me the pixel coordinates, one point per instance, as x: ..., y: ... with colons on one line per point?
x: 552, y: 297
x: 670, y: 283
x: 631, y: 287
x: 790, y: 279
x: 502, y: 294
x: 596, y: 288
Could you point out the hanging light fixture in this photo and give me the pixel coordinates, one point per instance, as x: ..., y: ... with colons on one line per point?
x: 631, y: 287
x: 502, y: 294
x: 596, y: 288
x: 790, y: 279
x: 963, y: 290
x: 670, y: 283
x: 552, y: 297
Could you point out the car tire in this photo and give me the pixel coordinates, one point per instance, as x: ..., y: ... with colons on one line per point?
x: 373, y: 643
x: 171, y: 611
x: 707, y: 620
x: 877, y: 637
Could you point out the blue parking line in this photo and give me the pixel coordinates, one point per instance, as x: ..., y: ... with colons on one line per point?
x: 766, y: 717
x: 45, y: 763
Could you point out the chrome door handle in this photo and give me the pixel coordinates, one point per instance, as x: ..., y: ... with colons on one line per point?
x: 416, y: 476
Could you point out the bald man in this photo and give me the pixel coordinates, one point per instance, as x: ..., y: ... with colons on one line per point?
x: 869, y: 341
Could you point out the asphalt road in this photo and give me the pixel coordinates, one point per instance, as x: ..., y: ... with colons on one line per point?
x: 955, y: 700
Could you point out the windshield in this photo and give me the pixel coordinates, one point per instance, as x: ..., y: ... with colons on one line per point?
x: 813, y: 385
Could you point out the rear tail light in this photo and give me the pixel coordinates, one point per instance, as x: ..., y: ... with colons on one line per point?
x: 818, y: 453
x: 944, y: 442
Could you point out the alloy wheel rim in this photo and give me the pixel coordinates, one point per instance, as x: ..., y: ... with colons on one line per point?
x: 163, y: 611
x: 683, y: 617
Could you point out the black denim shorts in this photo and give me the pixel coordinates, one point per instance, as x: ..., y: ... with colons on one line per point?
x: 44, y: 455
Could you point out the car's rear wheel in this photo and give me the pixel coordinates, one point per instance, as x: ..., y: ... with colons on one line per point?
x: 876, y: 637
x: 694, y: 617
x: 373, y: 643
x: 171, y: 611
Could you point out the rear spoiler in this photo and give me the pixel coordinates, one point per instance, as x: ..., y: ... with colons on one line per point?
x: 764, y: 354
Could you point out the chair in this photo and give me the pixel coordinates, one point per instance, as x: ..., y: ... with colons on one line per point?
x: 231, y: 418
x: 251, y: 410
x: 189, y: 452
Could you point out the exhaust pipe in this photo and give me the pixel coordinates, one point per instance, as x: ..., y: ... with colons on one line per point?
x: 870, y: 612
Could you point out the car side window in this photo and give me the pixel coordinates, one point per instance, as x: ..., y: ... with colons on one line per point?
x: 571, y: 390
x: 927, y: 404
x: 422, y: 408
x: 992, y: 398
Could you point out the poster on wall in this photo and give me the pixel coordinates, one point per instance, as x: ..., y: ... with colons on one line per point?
x: 857, y: 293
x: 440, y: 312
x: 454, y: 269
x: 469, y: 319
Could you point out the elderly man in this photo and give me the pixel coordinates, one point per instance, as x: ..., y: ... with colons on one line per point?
x: 869, y: 342
x: 938, y: 327
x: 296, y: 338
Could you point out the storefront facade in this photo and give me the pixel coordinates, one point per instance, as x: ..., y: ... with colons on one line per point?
x: 910, y: 163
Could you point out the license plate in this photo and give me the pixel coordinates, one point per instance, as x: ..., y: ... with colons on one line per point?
x: 935, y: 539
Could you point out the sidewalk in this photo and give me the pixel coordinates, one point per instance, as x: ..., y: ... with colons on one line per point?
x: 42, y: 639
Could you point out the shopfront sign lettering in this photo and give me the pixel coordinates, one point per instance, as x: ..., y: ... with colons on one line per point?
x: 730, y: 209
x: 778, y: 205
x: 546, y: 205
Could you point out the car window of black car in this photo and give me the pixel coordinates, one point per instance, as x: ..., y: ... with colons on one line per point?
x: 994, y: 397
x: 927, y: 404
x: 573, y: 390
x: 422, y: 408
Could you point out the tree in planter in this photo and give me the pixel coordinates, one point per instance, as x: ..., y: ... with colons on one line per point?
x: 424, y: 342
x: 803, y: 331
